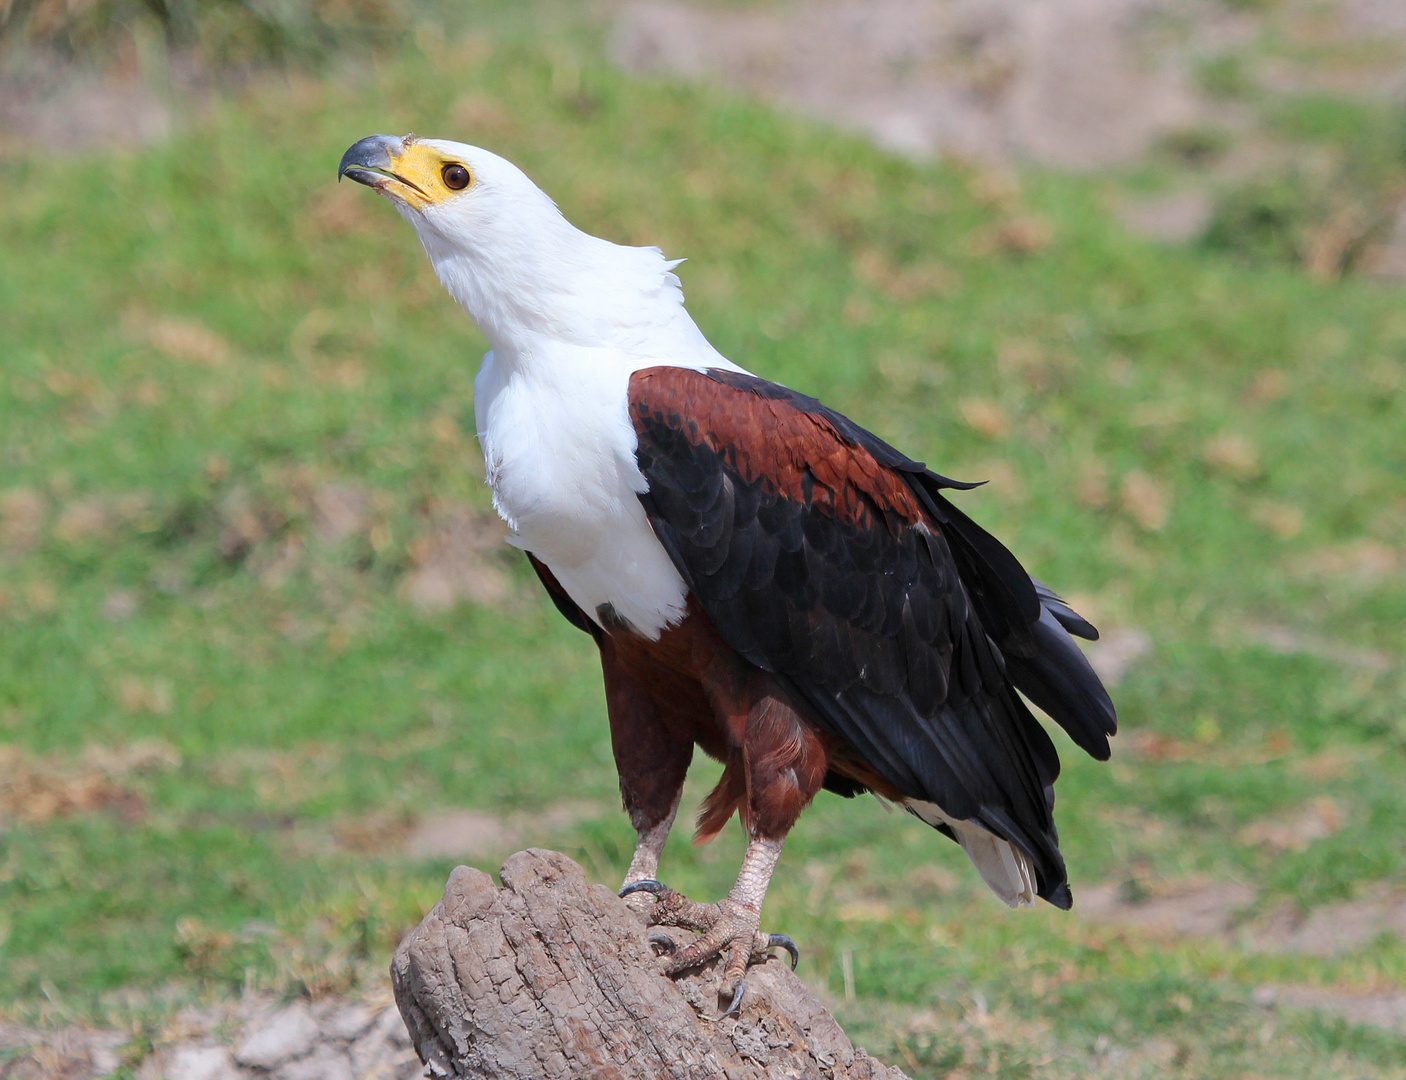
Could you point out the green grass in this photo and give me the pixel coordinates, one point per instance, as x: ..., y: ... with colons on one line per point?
x: 1188, y: 445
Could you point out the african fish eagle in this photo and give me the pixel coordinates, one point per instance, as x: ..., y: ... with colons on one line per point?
x: 763, y: 577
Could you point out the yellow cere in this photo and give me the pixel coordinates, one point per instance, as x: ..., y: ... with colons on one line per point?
x: 423, y: 176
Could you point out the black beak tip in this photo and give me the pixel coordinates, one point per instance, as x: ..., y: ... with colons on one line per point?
x: 372, y: 152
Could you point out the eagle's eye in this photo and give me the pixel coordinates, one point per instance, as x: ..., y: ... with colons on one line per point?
x: 455, y: 177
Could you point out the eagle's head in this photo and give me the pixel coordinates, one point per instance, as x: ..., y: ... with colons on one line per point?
x: 503, y: 250
x: 462, y: 194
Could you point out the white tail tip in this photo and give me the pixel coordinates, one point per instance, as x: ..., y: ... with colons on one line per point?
x: 1003, y: 866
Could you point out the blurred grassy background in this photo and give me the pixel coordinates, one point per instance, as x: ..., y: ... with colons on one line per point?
x: 262, y: 647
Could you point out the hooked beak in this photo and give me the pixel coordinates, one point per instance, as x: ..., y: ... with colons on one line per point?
x: 372, y: 161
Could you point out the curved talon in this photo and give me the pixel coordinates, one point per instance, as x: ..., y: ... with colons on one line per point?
x: 781, y: 941
x: 736, y: 1000
x: 649, y: 885
x: 665, y: 942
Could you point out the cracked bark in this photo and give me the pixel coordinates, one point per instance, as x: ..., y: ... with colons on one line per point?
x: 550, y: 977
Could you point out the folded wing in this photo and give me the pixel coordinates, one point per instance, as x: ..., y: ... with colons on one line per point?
x: 825, y: 556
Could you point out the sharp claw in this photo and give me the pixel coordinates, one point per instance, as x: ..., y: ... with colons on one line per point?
x: 664, y: 941
x: 648, y: 885
x: 736, y: 1000
x: 781, y: 941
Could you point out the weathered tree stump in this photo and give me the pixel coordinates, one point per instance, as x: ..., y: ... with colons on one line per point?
x: 550, y: 977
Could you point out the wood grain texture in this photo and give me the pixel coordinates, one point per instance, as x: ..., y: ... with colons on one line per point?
x: 551, y: 978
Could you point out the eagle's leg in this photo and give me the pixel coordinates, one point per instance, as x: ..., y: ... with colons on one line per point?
x: 645, y: 863
x: 780, y: 767
x: 651, y: 760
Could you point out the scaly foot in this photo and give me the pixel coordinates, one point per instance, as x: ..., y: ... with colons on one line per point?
x: 727, y: 929
x: 640, y: 902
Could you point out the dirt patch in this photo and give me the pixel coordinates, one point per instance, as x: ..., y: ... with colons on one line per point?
x: 1206, y: 745
x: 1365, y: 563
x: 22, y: 514
x: 1174, y: 217
x: 333, y: 1038
x: 276, y: 526
x: 96, y: 516
x: 451, y: 562
x: 1232, y: 913
x: 1331, y: 929
x: 1154, y: 746
x: 1317, y: 820
x: 35, y: 789
x: 1386, y: 18
x: 1379, y: 1010
x: 1286, y: 640
x: 1189, y: 908
x: 471, y: 835
x: 460, y: 834
x: 1194, y: 86
x: 1078, y: 83
x: 341, y: 511
x: 72, y: 1053
x: 58, y: 108
x: 186, y: 340
x: 1073, y: 83
x: 1116, y: 651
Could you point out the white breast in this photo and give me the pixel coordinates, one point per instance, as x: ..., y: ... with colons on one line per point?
x: 559, y: 451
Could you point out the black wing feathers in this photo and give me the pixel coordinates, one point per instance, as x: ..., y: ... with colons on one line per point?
x: 898, y: 620
x: 1041, y: 657
x: 1065, y: 615
x: 1053, y: 673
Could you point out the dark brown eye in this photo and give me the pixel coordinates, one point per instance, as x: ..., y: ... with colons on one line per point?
x: 455, y: 177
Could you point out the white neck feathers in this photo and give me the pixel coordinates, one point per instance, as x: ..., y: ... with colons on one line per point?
x: 533, y: 282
